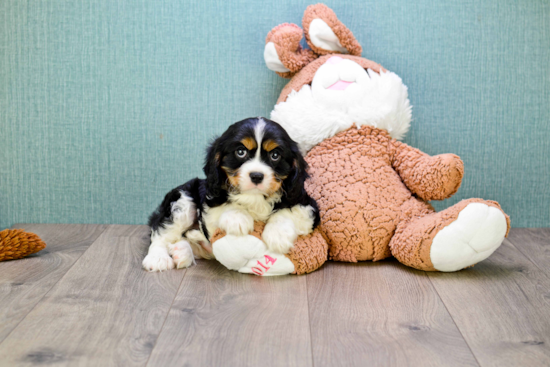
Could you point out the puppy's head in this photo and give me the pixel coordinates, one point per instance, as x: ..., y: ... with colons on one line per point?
x: 255, y: 156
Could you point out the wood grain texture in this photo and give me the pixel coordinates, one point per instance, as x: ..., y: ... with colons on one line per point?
x: 85, y: 300
x: 502, y: 308
x: 105, y: 311
x: 380, y: 314
x: 534, y: 243
x: 24, y: 282
x: 223, y: 318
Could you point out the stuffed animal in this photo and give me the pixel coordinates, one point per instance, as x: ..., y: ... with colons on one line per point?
x: 16, y: 243
x: 348, y: 114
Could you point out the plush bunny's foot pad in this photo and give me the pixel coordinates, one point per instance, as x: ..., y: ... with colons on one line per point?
x: 248, y: 254
x: 477, y: 232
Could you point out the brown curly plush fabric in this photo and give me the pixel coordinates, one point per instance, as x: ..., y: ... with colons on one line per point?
x: 286, y: 38
x: 367, y: 212
x: 357, y: 179
x: 346, y: 38
x: 308, y: 254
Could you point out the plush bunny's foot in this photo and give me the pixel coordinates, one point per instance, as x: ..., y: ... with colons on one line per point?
x: 453, y: 239
x: 477, y: 232
x: 248, y: 254
x: 182, y: 254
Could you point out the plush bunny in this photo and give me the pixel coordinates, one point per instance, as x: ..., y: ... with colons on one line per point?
x: 348, y: 114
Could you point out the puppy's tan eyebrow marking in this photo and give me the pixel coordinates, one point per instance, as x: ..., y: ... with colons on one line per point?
x: 269, y: 145
x: 249, y: 143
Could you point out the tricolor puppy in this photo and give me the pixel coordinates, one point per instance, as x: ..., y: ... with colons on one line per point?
x: 254, y: 171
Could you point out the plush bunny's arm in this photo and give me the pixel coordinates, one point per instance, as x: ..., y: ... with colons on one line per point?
x: 430, y: 178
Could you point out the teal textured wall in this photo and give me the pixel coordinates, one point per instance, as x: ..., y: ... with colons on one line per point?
x: 105, y: 105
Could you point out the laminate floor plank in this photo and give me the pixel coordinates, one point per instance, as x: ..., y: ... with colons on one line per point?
x: 24, y: 282
x: 534, y: 243
x: 502, y: 308
x: 224, y: 318
x: 381, y: 314
x: 105, y: 311
x: 85, y: 301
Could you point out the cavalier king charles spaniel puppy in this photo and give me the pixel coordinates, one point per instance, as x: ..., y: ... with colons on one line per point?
x: 254, y: 171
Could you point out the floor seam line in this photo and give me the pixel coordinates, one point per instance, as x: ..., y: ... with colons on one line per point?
x: 309, y: 323
x: 166, y: 318
x: 452, y: 318
x: 53, y: 285
x: 527, y: 257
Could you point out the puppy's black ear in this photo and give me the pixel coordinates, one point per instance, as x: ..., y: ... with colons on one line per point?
x: 293, y: 185
x: 212, y: 170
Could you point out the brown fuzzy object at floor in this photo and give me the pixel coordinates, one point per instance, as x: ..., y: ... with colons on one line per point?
x: 16, y: 243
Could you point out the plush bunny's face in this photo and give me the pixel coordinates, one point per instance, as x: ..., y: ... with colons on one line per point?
x: 331, y: 86
x: 339, y: 84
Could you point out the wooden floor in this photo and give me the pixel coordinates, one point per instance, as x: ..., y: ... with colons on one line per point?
x: 85, y: 300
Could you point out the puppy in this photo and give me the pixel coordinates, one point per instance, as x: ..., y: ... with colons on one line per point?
x: 254, y: 171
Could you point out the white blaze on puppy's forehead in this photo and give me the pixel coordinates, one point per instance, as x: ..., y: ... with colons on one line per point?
x: 268, y: 184
x: 259, y: 135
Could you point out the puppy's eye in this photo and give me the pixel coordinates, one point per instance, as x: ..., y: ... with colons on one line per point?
x: 275, y: 156
x: 241, y: 153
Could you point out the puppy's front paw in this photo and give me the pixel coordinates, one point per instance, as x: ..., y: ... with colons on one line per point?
x: 158, y: 260
x: 182, y: 254
x: 236, y: 222
x: 279, y: 236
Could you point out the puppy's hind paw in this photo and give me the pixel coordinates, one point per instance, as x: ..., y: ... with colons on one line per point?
x: 182, y: 254
x: 157, y: 260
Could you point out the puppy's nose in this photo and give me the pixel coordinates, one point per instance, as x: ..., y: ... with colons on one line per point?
x: 256, y: 177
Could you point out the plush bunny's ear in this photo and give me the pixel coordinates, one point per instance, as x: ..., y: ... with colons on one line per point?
x: 325, y: 34
x: 283, y: 53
